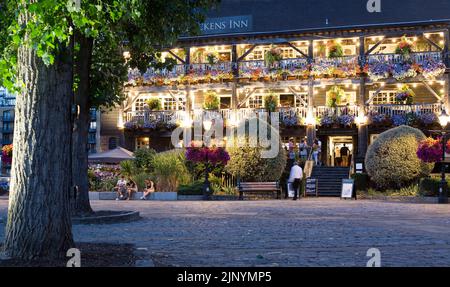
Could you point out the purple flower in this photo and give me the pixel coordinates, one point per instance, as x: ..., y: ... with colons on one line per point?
x: 290, y: 121
x: 327, y: 121
x: 346, y: 120
x: 398, y: 120
x: 428, y: 118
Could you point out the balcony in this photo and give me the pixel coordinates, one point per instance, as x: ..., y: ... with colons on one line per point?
x: 285, y: 69
x: 339, y: 67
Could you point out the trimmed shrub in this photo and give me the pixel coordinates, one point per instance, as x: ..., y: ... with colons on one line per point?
x: 430, y: 186
x: 392, y: 162
x: 246, y: 163
x: 195, y: 188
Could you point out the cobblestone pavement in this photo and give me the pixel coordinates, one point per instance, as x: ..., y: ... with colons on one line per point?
x: 313, y: 232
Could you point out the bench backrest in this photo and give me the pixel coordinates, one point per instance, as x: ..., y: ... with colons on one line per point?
x: 258, y: 185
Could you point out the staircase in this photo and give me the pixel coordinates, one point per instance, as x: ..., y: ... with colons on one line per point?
x: 330, y: 179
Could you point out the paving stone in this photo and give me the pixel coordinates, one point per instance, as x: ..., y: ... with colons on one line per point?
x: 313, y: 232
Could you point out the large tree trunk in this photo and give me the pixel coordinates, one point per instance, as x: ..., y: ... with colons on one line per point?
x: 80, y: 204
x: 39, y: 224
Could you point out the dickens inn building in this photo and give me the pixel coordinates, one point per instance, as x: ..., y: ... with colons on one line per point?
x: 342, y: 71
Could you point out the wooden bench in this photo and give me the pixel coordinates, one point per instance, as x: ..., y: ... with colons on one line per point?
x: 260, y: 189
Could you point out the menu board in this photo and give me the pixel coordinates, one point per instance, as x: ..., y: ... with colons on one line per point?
x: 348, y: 189
x: 311, y: 188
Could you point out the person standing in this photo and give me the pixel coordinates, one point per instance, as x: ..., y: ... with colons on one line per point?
x: 315, y: 152
x: 344, y: 155
x: 319, y: 149
x: 303, y: 150
x: 295, y: 178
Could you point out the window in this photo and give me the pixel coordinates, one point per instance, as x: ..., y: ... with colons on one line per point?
x: 8, y: 127
x: 140, y: 103
x: 93, y: 125
x: 112, y: 143
x: 255, y: 102
x: 383, y: 97
x: 225, y: 103
x: 143, y: 142
x: 167, y: 101
x: 299, y: 103
x: 8, y: 116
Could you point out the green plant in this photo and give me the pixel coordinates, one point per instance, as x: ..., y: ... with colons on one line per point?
x: 361, y: 181
x: 154, y: 104
x: 195, y: 188
x: 335, y: 96
x: 107, y: 184
x: 212, y: 101
x: 143, y: 158
x: 139, y: 179
x: 247, y: 163
x: 429, y: 186
x: 128, y: 168
x: 335, y: 50
x: 392, y: 162
x: 273, y: 56
x: 169, y: 170
x: 411, y: 190
x: 271, y: 102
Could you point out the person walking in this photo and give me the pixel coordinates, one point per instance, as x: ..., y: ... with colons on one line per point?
x: 295, y: 178
x: 315, y: 153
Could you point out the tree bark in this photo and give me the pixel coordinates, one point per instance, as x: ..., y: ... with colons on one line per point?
x: 39, y: 224
x: 80, y: 205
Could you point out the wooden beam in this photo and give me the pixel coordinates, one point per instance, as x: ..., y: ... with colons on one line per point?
x: 133, y: 100
x: 433, y: 92
x: 432, y: 43
x: 176, y: 57
x: 174, y: 97
x: 369, y: 101
x: 246, y: 53
x: 374, y: 47
x: 298, y: 96
x: 241, y: 103
x: 297, y: 49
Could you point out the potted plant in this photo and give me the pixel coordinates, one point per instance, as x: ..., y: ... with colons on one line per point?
x: 327, y: 121
x: 154, y: 104
x: 404, y: 47
x: 334, y: 96
x: 272, y: 57
x: 212, y: 58
x: 405, y: 95
x: 211, y: 101
x: 346, y: 120
x: 335, y: 50
x: 271, y: 102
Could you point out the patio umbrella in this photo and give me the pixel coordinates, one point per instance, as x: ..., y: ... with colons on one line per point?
x: 111, y: 156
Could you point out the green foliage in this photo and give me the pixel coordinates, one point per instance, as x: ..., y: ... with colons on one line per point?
x: 336, y: 51
x: 361, y: 181
x: 107, y: 184
x: 169, y: 170
x: 143, y: 158
x: 195, y: 188
x: 411, y: 190
x: 429, y: 186
x: 247, y: 164
x: 154, y: 104
x: 271, y: 102
x: 139, y: 179
x: 128, y: 168
x: 212, y: 101
x: 335, y: 96
x: 392, y: 162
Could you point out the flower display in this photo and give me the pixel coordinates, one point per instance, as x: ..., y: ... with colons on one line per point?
x: 346, y: 120
x: 290, y: 121
x: 430, y: 150
x: 131, y: 125
x: 271, y: 102
x: 401, y: 71
x: 405, y: 95
x: 211, y: 101
x: 7, y: 151
x: 206, y: 155
x: 327, y: 121
x: 379, y: 71
x: 428, y: 119
x: 380, y: 119
x: 212, y: 58
x: 404, y: 47
x: 431, y: 69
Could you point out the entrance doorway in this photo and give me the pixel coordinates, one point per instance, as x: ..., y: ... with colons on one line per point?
x: 340, y: 151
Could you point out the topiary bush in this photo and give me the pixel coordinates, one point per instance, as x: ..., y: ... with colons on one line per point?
x: 392, y: 162
x: 246, y: 163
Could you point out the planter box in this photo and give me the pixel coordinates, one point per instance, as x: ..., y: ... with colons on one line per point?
x: 190, y: 197
x: 109, y: 195
x: 164, y: 196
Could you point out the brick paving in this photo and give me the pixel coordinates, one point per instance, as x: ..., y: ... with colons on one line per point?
x: 313, y: 232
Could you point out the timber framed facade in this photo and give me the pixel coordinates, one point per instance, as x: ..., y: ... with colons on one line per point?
x: 367, y: 75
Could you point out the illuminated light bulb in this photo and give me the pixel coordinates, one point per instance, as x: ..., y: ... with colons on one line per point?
x: 427, y: 36
x: 382, y: 84
x: 415, y: 85
x: 347, y: 85
x: 431, y: 82
x: 441, y: 34
x: 399, y: 86
x: 442, y: 42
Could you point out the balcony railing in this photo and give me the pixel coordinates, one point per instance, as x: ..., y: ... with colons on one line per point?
x: 397, y: 59
x: 351, y: 110
x: 296, y: 67
x: 392, y: 110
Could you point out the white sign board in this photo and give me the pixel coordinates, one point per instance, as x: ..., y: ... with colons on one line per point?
x: 347, y: 188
